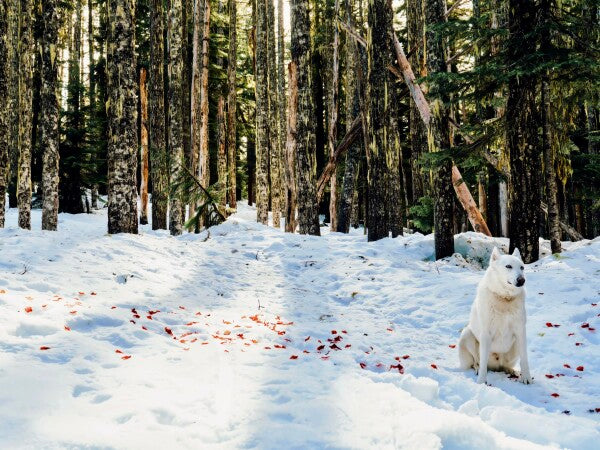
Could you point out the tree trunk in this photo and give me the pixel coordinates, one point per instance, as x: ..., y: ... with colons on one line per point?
x: 13, y: 99
x: 333, y: 116
x: 144, y: 147
x: 204, y: 161
x: 122, y: 120
x: 282, y: 103
x: 308, y: 208
x: 396, y: 199
x: 222, y: 151
x: 158, y: 153
x: 262, y: 111
x: 92, y: 90
x: 290, y: 152
x: 50, y: 114
x: 440, y: 132
x: 4, y: 110
x: 522, y: 136
x: 232, y: 107
x: 275, y: 151
x: 25, y: 49
x: 196, y: 88
x: 415, y: 11
x: 177, y: 214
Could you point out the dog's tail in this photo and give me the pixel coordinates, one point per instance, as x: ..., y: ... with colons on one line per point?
x: 466, y: 346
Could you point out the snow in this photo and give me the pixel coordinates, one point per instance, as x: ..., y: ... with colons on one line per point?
x: 221, y: 387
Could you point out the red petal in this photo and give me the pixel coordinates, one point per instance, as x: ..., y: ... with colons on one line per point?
x: 549, y: 324
x: 43, y: 347
x: 294, y: 357
x: 362, y: 365
x: 549, y: 376
x: 567, y: 366
x: 28, y: 309
x: 307, y: 339
x: 333, y: 332
x: 452, y: 346
x: 406, y: 357
x: 168, y: 331
x: 126, y: 357
x: 67, y: 328
x: 434, y: 366
x: 118, y: 351
x: 320, y: 347
x: 554, y: 394
x: 580, y: 368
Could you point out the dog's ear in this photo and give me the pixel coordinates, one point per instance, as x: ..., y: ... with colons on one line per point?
x: 495, y: 255
x: 517, y: 253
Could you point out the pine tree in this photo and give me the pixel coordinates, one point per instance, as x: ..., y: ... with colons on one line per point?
x: 333, y: 115
x: 275, y: 164
x: 440, y: 131
x: 144, y: 160
x: 522, y: 134
x: 122, y: 118
x: 176, y: 212
x: 308, y: 209
x: 157, y: 132
x: 25, y: 92
x: 262, y: 112
x: 232, y: 107
x: 50, y: 114
x: 4, y: 112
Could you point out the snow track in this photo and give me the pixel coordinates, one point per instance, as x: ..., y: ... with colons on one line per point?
x: 156, y: 341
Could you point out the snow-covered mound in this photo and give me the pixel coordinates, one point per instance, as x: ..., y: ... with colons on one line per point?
x: 248, y: 337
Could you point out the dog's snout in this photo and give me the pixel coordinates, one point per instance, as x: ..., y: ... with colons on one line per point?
x: 520, y: 281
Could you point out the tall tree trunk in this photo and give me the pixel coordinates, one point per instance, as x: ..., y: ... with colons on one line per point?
x: 333, y: 116
x: 222, y: 151
x: 262, y: 111
x: 396, y: 203
x: 175, y: 48
x: 13, y: 99
x: 290, y: 151
x: 25, y: 49
x: 196, y: 88
x: 186, y: 83
x: 204, y: 161
x: 440, y: 132
x: 282, y: 103
x: 415, y: 11
x: 308, y: 209
x: 144, y: 147
x: 122, y: 120
x: 351, y: 167
x: 232, y: 107
x: 378, y: 55
x: 50, y: 114
x: 158, y: 153
x: 92, y: 88
x: 522, y: 135
x: 4, y: 111
x: 275, y: 151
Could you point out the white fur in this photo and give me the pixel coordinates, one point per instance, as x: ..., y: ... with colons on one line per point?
x: 495, y: 337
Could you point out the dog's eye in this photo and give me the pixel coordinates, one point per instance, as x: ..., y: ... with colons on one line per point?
x: 509, y: 267
x: 522, y: 267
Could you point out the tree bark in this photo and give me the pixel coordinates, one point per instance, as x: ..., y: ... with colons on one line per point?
x: 175, y: 48
x: 92, y: 89
x: 25, y: 54
x: 308, y: 208
x: 157, y: 133
x: 122, y: 119
x: 50, y: 114
x: 196, y: 89
x: 262, y: 111
x: 290, y: 151
x: 440, y: 132
x: 282, y: 104
x: 4, y: 110
x: 232, y: 107
x: 144, y: 147
x: 275, y: 151
x: 522, y: 136
x: 204, y: 166
x: 333, y: 116
x: 222, y: 151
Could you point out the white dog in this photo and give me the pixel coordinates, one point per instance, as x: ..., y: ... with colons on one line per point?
x: 495, y: 337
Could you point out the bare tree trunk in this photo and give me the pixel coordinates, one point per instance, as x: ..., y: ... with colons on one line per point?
x: 222, y: 151
x: 196, y: 88
x: 25, y: 49
x: 290, y: 151
x: 551, y: 189
x: 262, y: 111
x: 4, y: 111
x: 275, y: 151
x: 144, y: 147
x: 232, y: 107
x: 158, y: 152
x: 177, y: 213
x: 282, y: 104
x: 482, y: 195
x: 333, y: 116
x: 522, y: 136
x: 92, y: 88
x: 13, y: 99
x: 308, y: 208
x: 50, y: 114
x: 204, y: 170
x: 122, y: 120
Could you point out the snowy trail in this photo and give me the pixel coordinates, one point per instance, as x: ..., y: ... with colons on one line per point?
x: 209, y: 368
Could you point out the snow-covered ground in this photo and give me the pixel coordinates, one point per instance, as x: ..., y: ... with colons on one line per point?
x: 253, y: 338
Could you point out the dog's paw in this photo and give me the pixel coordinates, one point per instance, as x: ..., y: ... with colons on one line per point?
x: 526, y: 379
x: 481, y: 379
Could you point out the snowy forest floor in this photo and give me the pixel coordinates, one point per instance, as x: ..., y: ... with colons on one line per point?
x: 253, y: 338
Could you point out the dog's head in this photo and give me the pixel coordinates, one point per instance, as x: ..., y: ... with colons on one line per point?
x: 508, y: 270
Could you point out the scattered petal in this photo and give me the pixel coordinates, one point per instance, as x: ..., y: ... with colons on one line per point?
x: 294, y: 357
x: 43, y: 347
x: 28, y: 309
x: 554, y: 394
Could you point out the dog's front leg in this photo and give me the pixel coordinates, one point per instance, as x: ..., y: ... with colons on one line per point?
x: 522, y: 346
x: 484, y: 355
